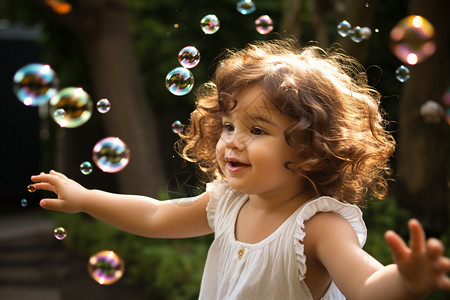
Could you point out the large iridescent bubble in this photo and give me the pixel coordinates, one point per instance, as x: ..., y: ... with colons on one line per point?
x: 75, y: 104
x: 179, y: 81
x: 210, y: 24
x: 111, y: 154
x: 106, y: 267
x: 189, y: 57
x: 412, y: 39
x: 35, y: 84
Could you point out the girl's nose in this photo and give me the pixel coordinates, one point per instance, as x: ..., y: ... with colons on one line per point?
x: 235, y: 141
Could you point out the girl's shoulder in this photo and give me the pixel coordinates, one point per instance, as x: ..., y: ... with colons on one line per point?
x: 349, y: 212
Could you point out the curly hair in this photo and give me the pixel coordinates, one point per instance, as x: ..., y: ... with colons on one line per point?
x: 338, y: 128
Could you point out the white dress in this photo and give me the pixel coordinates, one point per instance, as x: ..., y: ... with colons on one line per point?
x: 273, y: 268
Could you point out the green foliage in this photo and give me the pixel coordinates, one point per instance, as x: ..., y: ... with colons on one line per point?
x: 380, y: 216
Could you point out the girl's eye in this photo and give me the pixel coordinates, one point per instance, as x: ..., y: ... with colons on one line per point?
x: 258, y: 131
x: 228, y: 127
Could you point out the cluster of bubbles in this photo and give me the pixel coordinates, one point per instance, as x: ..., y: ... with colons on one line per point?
x: 106, y: 267
x: 210, y: 24
x: 38, y: 85
x: 412, y: 39
x: 180, y: 80
x: 357, y: 33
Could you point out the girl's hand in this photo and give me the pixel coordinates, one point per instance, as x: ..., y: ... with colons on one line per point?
x: 422, y: 265
x: 70, y: 193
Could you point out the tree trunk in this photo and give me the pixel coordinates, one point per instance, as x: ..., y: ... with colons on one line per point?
x: 423, y: 161
x: 102, y: 29
x: 290, y: 19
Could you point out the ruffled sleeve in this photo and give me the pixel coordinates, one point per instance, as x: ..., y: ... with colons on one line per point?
x: 216, y: 190
x: 350, y: 212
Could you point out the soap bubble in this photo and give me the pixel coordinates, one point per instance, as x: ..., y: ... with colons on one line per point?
x: 60, y: 233
x: 77, y: 106
x: 189, y: 57
x: 86, y: 168
x: 412, y: 39
x: 356, y: 35
x: 24, y: 203
x: 446, y: 97
x: 344, y: 28
x: 245, y: 7
x: 402, y: 73
x: 264, y: 24
x: 58, y: 116
x: 179, y: 81
x: 111, y: 154
x: 106, y: 267
x: 176, y: 127
x: 31, y: 188
x: 366, y: 32
x: 35, y: 84
x: 210, y: 24
x: 103, y: 106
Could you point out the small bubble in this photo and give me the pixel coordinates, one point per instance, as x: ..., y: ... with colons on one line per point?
x: 111, y: 154
x: 176, y: 127
x: 59, y: 116
x: 106, y: 267
x: 210, y: 24
x: 366, y: 32
x: 344, y: 28
x: 412, y: 39
x: 245, y: 7
x: 86, y: 168
x: 356, y: 34
x: 35, y: 84
x: 31, y: 188
x: 367, y: 5
x: 24, y: 202
x: 189, y: 57
x: 103, y: 106
x: 179, y: 81
x: 60, y: 233
x: 76, y: 104
x: 402, y: 73
x: 264, y: 24
x: 446, y: 97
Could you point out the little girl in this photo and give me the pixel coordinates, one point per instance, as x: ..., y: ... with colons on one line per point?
x: 291, y: 142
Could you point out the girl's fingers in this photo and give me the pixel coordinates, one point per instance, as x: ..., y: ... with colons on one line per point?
x: 48, y: 178
x: 435, y: 248
x: 398, y: 247
x: 417, y: 237
x: 60, y: 175
x: 51, y: 204
x: 43, y: 186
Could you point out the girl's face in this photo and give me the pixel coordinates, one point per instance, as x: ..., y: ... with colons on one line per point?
x: 252, y: 150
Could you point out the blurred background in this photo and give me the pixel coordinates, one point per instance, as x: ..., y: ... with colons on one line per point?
x: 122, y: 50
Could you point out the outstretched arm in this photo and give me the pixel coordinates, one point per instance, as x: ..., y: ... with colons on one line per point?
x: 417, y: 270
x: 136, y: 214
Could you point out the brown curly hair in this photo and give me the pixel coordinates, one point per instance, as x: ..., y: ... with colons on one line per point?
x: 338, y: 128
